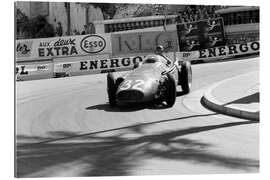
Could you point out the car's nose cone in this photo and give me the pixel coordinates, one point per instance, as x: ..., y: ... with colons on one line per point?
x: 137, y: 91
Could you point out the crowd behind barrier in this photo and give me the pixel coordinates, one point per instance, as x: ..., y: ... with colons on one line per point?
x: 43, y: 29
x: 197, y: 12
x: 191, y: 13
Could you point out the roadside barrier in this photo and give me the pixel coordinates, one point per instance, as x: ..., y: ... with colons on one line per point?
x: 221, y: 52
x: 101, y: 53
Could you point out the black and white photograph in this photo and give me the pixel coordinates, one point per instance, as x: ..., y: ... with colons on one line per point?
x: 135, y: 89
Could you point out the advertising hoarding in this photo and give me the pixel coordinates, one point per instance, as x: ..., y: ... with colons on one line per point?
x: 201, y: 34
x: 66, y: 46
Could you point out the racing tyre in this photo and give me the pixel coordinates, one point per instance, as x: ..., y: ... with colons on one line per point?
x: 186, y: 77
x: 111, y: 89
x: 170, y: 90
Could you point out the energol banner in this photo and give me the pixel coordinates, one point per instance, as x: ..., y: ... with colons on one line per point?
x: 47, y: 48
x: 221, y: 51
x: 88, y: 65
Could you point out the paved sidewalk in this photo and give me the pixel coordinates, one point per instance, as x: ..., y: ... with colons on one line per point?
x: 237, y: 96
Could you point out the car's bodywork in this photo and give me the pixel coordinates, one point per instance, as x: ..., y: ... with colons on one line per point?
x: 147, y: 82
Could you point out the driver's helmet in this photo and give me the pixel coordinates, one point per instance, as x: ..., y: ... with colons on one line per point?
x: 159, y: 49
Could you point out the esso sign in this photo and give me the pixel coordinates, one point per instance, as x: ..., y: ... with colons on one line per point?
x: 93, y: 44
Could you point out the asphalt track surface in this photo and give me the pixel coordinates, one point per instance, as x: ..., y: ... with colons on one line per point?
x: 65, y: 127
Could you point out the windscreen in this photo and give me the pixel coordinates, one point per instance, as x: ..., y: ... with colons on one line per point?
x: 150, y: 60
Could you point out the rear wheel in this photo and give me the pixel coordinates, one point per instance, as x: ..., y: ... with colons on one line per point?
x: 186, y: 77
x: 170, y: 94
x: 111, y: 89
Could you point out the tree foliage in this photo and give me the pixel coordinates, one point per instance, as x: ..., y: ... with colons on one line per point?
x: 37, y: 27
x: 108, y: 9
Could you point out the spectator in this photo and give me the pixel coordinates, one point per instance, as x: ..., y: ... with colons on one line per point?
x: 75, y: 32
x: 84, y: 30
x: 91, y: 28
x: 59, y: 29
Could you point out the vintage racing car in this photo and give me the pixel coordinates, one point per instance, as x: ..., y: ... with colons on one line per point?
x: 155, y: 79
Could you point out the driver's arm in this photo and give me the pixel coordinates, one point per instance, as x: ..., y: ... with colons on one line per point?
x: 168, y: 61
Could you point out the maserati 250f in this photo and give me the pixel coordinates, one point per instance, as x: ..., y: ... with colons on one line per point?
x: 155, y: 79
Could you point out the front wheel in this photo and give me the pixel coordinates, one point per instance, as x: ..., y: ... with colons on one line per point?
x: 186, y: 77
x: 111, y: 89
x: 170, y: 94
